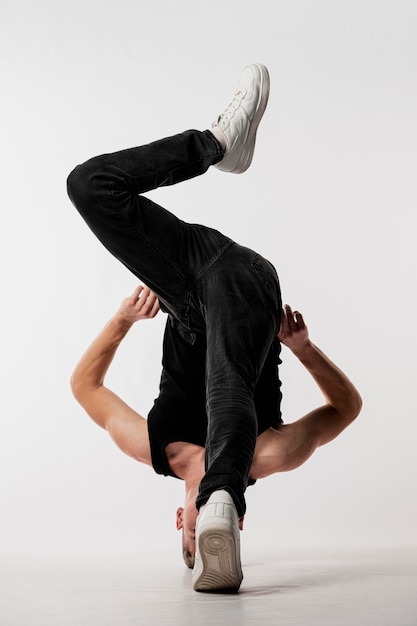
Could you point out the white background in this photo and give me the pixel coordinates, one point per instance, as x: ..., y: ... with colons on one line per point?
x: 330, y: 199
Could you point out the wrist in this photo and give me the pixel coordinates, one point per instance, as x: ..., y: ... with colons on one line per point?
x: 302, y: 351
x: 120, y: 323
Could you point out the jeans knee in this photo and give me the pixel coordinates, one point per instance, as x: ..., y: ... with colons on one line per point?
x: 77, y: 186
x: 84, y: 185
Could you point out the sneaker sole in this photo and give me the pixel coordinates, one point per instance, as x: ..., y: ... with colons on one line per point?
x: 221, y: 573
x: 249, y: 147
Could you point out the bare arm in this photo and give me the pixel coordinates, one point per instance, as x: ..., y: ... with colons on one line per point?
x: 294, y: 443
x: 339, y: 392
x: 125, y: 426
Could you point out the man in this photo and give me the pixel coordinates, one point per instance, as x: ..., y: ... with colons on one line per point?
x: 223, y: 302
x: 278, y: 449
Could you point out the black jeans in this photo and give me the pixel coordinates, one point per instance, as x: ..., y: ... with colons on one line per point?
x: 204, y: 280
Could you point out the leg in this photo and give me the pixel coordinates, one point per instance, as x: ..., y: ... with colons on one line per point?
x: 157, y: 247
x: 181, y: 264
x: 242, y: 318
x: 242, y: 315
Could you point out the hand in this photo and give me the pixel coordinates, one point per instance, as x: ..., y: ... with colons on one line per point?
x: 293, y: 332
x: 141, y: 305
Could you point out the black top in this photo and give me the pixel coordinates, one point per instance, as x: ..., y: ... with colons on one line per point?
x: 179, y: 412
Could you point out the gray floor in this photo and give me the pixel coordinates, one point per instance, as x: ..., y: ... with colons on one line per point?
x: 355, y: 588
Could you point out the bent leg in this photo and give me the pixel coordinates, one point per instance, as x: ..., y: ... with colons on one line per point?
x: 149, y: 240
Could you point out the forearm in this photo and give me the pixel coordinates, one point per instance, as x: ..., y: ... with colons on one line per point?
x: 336, y: 387
x: 93, y: 366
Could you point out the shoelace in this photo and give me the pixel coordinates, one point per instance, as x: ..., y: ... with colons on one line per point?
x: 232, y: 107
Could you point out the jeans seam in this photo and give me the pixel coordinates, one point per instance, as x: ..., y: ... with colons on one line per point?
x: 213, y: 260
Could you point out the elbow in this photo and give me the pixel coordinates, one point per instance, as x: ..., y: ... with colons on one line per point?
x: 357, y: 402
x: 82, y: 386
x: 354, y: 405
x: 76, y: 386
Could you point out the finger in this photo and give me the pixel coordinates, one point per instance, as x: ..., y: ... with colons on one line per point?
x: 299, y: 319
x: 145, y: 302
x: 135, y: 295
x: 155, y: 307
x: 292, y: 322
x: 148, y: 304
x: 143, y: 296
x: 284, y: 325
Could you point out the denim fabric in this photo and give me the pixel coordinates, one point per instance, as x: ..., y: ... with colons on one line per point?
x: 179, y: 412
x: 205, y: 281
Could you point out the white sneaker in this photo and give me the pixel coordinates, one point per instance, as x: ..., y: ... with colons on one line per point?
x: 217, y: 565
x: 240, y: 120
